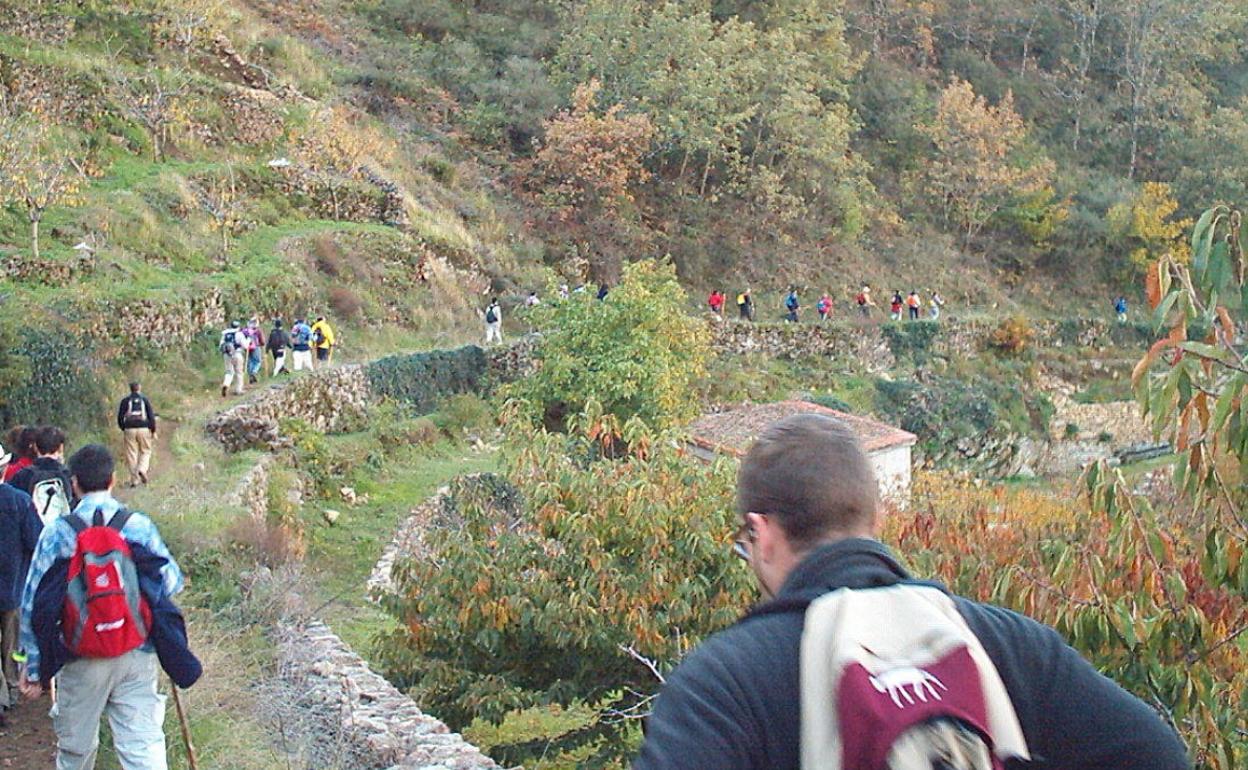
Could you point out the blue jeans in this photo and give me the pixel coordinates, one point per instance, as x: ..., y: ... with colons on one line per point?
x: 253, y: 362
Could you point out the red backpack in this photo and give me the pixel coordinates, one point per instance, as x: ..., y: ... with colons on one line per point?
x: 105, y: 613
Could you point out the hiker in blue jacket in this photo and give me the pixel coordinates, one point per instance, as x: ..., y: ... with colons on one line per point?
x: 125, y: 686
x: 807, y: 498
x: 19, y: 532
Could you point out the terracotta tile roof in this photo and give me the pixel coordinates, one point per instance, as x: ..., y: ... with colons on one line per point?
x: 733, y: 432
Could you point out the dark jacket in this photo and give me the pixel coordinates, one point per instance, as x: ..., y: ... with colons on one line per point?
x: 734, y: 702
x: 124, y: 422
x: 44, y: 468
x: 19, y: 531
x: 167, y: 636
x: 279, y: 340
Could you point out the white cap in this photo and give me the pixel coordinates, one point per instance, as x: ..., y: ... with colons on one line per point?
x: 5, y: 457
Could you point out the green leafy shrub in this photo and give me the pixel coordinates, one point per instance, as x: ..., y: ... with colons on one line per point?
x: 1071, y: 431
x: 394, y: 427
x: 462, y: 413
x: 911, y: 340
x: 422, y: 381
x: 535, y: 588
x: 313, y: 456
x: 56, y: 382
x: 638, y: 353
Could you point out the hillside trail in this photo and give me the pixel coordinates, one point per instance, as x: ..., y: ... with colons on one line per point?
x: 27, y: 742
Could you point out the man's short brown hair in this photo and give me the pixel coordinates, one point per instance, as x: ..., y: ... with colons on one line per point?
x: 810, y: 472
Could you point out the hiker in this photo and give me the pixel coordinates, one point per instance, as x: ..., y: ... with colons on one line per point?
x: 824, y: 306
x: 913, y: 303
x: 113, y: 670
x: 323, y: 340
x: 233, y: 347
x: 19, y: 532
x: 301, y: 345
x: 137, y: 421
x: 22, y: 441
x: 278, y: 344
x: 864, y: 301
x: 716, y: 302
x: 937, y: 302
x: 1120, y: 308
x: 764, y: 692
x: 255, y: 350
x: 791, y: 305
x: 564, y: 293
x: 745, y: 305
x: 603, y: 291
x: 493, y: 322
x: 894, y: 306
x: 532, y: 300
x: 47, y: 480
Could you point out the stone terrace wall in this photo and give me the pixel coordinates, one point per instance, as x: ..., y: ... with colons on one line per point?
x: 384, y: 727
x: 327, y: 400
x: 866, y: 342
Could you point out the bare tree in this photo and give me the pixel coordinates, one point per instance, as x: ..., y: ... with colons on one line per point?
x: 37, y: 167
x: 154, y: 99
x: 220, y: 199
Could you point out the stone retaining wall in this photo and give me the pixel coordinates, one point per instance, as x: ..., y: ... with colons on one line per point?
x: 384, y: 727
x: 867, y: 342
x: 327, y: 400
x: 330, y: 400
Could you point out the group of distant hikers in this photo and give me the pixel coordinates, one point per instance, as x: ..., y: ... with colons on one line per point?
x: 899, y: 306
x: 242, y: 346
x: 86, y: 587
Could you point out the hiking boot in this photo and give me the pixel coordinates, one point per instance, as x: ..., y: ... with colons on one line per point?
x: 143, y: 478
x: 253, y: 379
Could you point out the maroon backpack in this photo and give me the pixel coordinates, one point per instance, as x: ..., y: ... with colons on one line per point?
x: 105, y: 614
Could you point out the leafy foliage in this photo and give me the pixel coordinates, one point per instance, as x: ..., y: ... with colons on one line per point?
x: 638, y: 353
x: 423, y: 381
x: 1146, y: 226
x: 911, y: 340
x: 56, y: 382
x: 978, y: 165
x: 541, y: 593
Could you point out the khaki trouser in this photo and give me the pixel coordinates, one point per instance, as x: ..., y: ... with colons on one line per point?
x: 8, y: 644
x: 235, y: 371
x: 138, y: 453
x: 123, y: 688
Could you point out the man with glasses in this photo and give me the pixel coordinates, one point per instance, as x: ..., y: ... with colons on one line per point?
x: 809, y: 518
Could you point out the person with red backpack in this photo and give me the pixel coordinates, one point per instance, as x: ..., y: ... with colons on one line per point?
x: 852, y: 663
x: 96, y: 613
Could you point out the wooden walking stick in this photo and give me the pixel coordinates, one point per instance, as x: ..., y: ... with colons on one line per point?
x: 186, y: 728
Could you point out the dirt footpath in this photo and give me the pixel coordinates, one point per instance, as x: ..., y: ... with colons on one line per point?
x: 28, y: 743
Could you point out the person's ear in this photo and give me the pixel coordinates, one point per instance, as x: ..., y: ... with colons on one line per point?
x: 764, y: 532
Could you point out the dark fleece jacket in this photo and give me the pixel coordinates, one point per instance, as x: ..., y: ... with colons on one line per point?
x: 734, y: 703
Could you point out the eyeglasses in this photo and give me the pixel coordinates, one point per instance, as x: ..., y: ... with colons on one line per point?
x: 743, y: 535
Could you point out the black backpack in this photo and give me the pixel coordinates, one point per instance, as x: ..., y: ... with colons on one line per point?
x: 229, y: 342
x: 490, y: 315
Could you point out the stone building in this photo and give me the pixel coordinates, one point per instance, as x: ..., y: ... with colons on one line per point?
x: 731, y: 433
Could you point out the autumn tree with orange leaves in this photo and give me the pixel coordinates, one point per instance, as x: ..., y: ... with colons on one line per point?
x: 979, y: 164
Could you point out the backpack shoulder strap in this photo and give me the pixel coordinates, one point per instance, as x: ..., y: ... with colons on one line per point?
x: 119, y: 518
x: 75, y: 522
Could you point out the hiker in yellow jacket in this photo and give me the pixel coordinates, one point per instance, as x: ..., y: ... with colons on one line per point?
x: 323, y: 339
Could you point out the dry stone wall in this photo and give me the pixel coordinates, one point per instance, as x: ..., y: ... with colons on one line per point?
x: 384, y: 727
x: 866, y: 342
x: 328, y: 400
